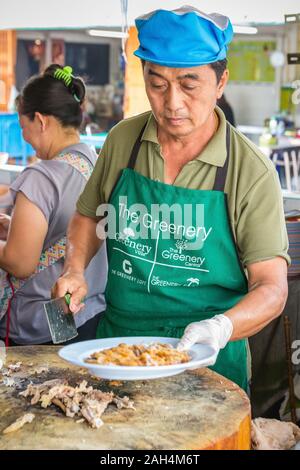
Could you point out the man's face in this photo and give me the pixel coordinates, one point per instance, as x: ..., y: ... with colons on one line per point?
x: 182, y: 99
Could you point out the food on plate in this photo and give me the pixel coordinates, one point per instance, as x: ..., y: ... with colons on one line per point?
x: 155, y: 354
x: 80, y: 402
x: 19, y: 423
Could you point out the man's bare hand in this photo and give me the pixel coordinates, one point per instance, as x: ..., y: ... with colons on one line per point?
x: 71, y: 283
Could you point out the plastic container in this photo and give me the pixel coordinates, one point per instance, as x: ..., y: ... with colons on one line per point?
x: 3, y: 158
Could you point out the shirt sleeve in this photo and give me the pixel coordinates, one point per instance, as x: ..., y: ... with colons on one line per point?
x: 261, y: 229
x: 92, y: 195
x: 39, y: 189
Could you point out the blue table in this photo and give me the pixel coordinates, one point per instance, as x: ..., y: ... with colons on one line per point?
x: 95, y: 140
x: 11, y: 140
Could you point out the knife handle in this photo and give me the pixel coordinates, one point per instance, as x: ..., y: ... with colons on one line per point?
x: 68, y: 299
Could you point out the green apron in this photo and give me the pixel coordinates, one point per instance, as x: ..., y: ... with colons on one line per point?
x: 180, y: 269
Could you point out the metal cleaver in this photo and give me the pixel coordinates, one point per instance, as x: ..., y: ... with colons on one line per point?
x: 60, y: 319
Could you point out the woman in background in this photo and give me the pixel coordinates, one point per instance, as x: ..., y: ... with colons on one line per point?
x: 44, y: 198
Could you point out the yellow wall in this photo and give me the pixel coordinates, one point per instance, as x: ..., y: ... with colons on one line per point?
x: 8, y: 47
x: 135, y: 99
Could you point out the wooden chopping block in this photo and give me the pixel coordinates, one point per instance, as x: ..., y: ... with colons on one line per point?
x: 194, y: 410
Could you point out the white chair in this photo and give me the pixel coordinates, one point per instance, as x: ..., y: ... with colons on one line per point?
x: 289, y: 159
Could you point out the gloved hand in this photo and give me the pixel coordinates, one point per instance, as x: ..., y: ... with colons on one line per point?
x: 215, y: 332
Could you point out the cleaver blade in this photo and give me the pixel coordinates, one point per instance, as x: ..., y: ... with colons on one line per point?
x: 60, y: 319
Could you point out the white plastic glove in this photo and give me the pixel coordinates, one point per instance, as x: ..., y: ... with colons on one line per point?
x: 215, y: 332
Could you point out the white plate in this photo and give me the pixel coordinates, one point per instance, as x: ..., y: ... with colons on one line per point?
x: 202, y: 356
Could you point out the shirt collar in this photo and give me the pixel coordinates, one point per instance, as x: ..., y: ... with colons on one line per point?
x: 150, y: 132
x: 215, y: 151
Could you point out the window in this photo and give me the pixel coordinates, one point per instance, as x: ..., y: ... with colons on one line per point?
x: 90, y: 61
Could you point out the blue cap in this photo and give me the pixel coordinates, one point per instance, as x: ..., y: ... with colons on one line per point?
x: 184, y: 37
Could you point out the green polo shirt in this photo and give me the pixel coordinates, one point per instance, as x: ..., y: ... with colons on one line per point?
x: 254, y: 195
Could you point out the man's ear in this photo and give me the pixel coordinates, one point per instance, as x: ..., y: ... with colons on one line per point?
x: 42, y: 121
x: 222, y: 83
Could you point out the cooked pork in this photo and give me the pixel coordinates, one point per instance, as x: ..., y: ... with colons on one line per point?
x: 19, y: 423
x: 80, y: 401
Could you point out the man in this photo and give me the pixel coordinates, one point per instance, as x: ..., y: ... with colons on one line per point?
x: 183, y: 275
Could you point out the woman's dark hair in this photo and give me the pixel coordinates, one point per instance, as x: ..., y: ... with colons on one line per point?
x: 219, y: 67
x: 52, y: 97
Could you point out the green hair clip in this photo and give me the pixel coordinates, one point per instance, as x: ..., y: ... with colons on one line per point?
x: 65, y: 75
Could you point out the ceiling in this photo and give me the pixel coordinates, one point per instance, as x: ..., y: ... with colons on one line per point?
x: 16, y: 14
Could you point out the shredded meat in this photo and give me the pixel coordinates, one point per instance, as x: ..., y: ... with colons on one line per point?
x: 11, y: 369
x: 35, y: 391
x: 92, y: 410
x: 81, y: 401
x: 19, y: 423
x: 40, y: 369
x: 8, y: 381
x: 15, y: 367
x: 124, y: 402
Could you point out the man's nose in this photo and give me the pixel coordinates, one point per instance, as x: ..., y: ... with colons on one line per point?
x: 173, y: 99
